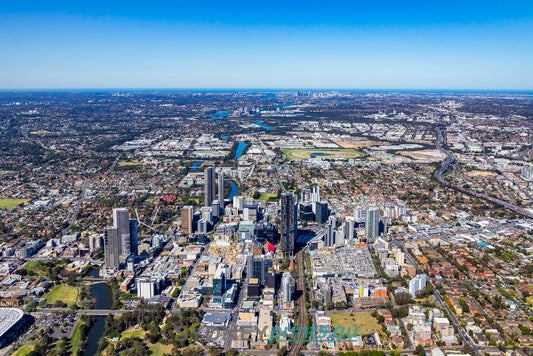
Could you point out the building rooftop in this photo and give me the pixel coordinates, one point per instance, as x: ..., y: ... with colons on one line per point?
x: 8, y: 318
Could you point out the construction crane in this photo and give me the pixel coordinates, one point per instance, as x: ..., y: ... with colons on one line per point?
x: 153, y: 219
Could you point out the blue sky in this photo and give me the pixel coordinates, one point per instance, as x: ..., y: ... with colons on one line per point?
x: 251, y: 44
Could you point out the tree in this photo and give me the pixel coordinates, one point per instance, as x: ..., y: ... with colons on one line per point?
x: 283, y: 351
x: 403, y: 298
x: 256, y: 195
x: 468, y: 350
x: 71, y: 280
x: 30, y: 307
x: 464, y: 305
x: 59, y: 304
x: 420, y: 350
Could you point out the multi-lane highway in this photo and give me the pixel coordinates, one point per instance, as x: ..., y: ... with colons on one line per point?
x: 450, y: 159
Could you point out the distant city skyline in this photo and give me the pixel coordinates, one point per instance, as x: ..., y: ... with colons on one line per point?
x: 478, y: 45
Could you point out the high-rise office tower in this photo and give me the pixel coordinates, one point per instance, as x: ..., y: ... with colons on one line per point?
x: 305, y: 212
x: 321, y: 212
x: 219, y: 283
x: 305, y: 195
x: 359, y: 214
x: 121, y: 220
x: 238, y: 202
x: 215, y: 210
x: 221, y: 188
x: 134, y: 237
x: 329, y: 236
x: 339, y: 237
x: 209, y: 186
x: 315, y: 194
x: 111, y: 248
x: 186, y: 219
x: 348, y: 230
x: 258, y: 268
x: 372, y: 223
x: 202, y: 226
x: 288, y: 223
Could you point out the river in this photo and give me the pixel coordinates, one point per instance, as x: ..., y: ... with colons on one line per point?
x: 259, y: 123
x: 95, y: 334
x: 219, y: 115
x: 234, y: 190
x: 240, y: 149
x: 101, y: 294
x: 195, y: 166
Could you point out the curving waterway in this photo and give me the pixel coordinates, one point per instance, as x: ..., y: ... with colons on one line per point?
x: 102, y: 297
x: 240, y: 149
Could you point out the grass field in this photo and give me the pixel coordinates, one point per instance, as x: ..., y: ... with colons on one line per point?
x: 160, y: 348
x: 31, y: 266
x: 24, y: 350
x: 75, y: 339
x: 292, y: 154
x: 64, y: 293
x: 132, y: 333
x: 268, y: 197
x: 429, y: 299
x: 5, y: 172
x: 130, y: 163
x: 163, y: 349
x: 365, y: 322
x: 10, y: 204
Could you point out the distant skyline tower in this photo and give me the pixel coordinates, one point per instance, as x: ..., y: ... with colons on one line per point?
x: 221, y: 188
x: 372, y: 223
x: 288, y: 223
x: 121, y: 220
x: 111, y: 248
x: 186, y: 219
x: 209, y: 186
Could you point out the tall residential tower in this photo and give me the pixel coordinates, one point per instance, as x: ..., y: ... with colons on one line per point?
x: 209, y: 186
x: 372, y: 223
x: 288, y: 223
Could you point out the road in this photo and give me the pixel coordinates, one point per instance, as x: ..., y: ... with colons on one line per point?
x: 438, y: 297
x: 450, y: 159
x: 80, y: 198
x: 234, y: 316
x: 96, y: 312
x: 300, y: 286
x: 274, y: 165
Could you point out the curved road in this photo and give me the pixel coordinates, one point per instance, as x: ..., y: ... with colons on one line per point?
x: 450, y: 159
